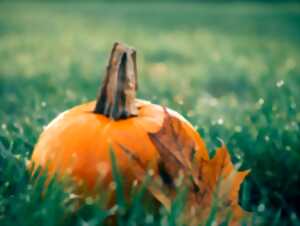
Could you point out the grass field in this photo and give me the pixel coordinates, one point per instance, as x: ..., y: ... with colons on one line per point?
x: 232, y: 69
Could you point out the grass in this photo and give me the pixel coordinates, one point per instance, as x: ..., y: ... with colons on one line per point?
x: 231, y: 69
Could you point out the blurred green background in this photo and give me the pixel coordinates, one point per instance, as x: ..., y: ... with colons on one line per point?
x: 231, y: 68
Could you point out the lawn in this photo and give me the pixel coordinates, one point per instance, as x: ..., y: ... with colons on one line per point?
x: 231, y: 69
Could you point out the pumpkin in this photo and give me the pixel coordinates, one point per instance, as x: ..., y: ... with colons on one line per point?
x: 144, y: 138
x: 78, y: 141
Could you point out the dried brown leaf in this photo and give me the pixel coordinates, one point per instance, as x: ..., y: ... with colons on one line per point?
x: 207, y: 180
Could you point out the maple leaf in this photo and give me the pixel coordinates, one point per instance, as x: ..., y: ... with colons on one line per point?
x: 212, y: 183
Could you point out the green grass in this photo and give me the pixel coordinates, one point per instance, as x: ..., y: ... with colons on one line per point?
x: 232, y: 69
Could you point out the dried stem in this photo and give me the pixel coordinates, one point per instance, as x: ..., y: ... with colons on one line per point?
x: 117, y: 96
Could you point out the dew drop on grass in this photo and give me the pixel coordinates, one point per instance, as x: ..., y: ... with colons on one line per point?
x: 29, y: 187
x: 294, y: 124
x: 261, y: 208
x: 288, y: 148
x: 238, y: 129
x: 27, y: 162
x: 73, y: 196
x: 293, y: 105
x: 27, y: 198
x: 239, y: 156
x: 4, y: 126
x: 267, y: 138
x: 220, y: 121
x: 17, y: 156
x: 286, y: 127
x: 293, y: 216
x: 279, y: 83
x: 114, y: 209
x: 261, y: 101
x: 43, y: 104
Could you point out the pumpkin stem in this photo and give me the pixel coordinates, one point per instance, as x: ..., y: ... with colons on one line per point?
x: 117, y: 95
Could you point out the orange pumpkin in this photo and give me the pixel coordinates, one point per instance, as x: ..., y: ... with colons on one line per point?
x: 79, y: 140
